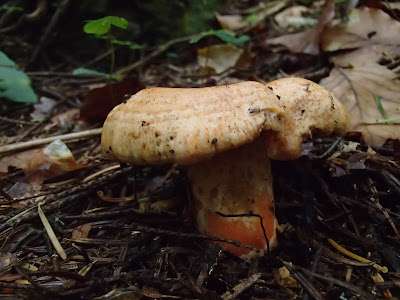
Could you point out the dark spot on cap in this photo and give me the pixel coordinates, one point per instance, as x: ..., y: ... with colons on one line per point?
x: 303, y: 111
x: 214, y: 141
x: 252, y: 110
x: 124, y: 102
x: 371, y: 34
x: 156, y: 134
x: 171, y: 150
x: 270, y: 87
x: 143, y: 123
x: 279, y: 97
x: 171, y: 138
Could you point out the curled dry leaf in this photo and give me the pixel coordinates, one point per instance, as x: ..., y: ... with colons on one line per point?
x: 219, y: 58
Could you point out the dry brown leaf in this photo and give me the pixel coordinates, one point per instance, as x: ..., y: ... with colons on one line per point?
x: 293, y: 16
x: 231, y: 22
x: 39, y: 165
x: 365, y: 27
x: 42, y: 108
x: 63, y: 119
x: 307, y: 41
x: 219, y: 58
x: 284, y: 278
x: 356, y: 87
x: 81, y: 231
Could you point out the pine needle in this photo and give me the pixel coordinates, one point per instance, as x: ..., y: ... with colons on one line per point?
x: 355, y: 256
x: 50, y: 232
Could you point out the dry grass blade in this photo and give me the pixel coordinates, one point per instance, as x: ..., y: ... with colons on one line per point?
x: 53, y: 238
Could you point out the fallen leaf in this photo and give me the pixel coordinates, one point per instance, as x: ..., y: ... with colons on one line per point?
x: 42, y: 108
x: 284, y: 278
x: 100, y: 101
x: 39, y: 165
x: 307, y: 41
x: 219, y: 58
x: 293, y: 17
x: 81, y: 231
x: 231, y: 22
x: 365, y: 27
x: 357, y: 88
x: 63, y: 119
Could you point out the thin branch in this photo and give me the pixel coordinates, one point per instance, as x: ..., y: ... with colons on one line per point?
x: 44, y: 141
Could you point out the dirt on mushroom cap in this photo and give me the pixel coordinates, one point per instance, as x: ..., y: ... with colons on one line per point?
x: 177, y: 125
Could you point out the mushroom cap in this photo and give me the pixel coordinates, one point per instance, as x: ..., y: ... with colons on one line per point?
x: 186, y: 125
x: 310, y: 111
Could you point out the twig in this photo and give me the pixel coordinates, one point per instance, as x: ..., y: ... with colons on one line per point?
x: 16, y: 121
x: 44, y: 141
x: 49, y: 28
x: 349, y: 286
x: 55, y: 201
x: 305, y: 283
x: 242, y: 286
x: 160, y: 49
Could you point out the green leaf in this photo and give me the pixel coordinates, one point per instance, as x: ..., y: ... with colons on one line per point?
x: 5, y: 61
x: 83, y: 71
x: 103, y: 25
x: 223, y: 35
x: 230, y: 39
x: 11, y: 8
x: 15, y: 85
x: 127, y: 43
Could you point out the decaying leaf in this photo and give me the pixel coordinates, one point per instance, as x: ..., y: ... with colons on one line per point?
x: 365, y: 27
x: 307, y: 41
x: 100, y: 101
x: 219, y: 58
x: 231, y: 22
x: 293, y: 16
x: 284, y: 278
x: 81, y: 231
x: 63, y: 119
x: 370, y: 91
x: 356, y: 88
x: 42, y: 108
x: 39, y: 165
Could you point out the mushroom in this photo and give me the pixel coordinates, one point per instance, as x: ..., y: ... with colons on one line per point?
x: 225, y: 137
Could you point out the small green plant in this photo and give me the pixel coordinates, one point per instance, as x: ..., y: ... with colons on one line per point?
x: 223, y: 35
x: 101, y: 28
x: 15, y: 85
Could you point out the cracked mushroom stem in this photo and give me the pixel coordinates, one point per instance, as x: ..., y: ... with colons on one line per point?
x: 215, y: 132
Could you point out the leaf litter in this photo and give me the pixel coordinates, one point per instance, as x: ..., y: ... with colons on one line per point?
x: 127, y: 231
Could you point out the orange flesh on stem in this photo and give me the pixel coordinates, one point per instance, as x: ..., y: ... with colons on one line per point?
x: 233, y: 183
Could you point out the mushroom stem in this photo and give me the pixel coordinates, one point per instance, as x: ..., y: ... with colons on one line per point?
x: 234, y: 183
